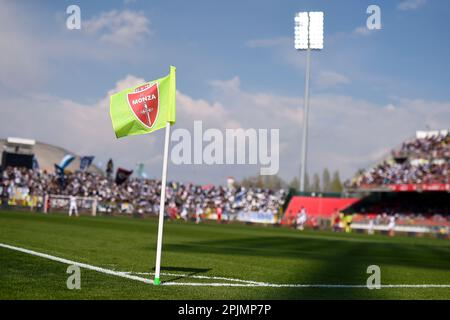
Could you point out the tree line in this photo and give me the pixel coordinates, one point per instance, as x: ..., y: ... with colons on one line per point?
x: 327, y: 183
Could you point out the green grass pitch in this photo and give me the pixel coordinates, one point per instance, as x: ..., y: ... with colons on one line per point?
x: 265, y: 254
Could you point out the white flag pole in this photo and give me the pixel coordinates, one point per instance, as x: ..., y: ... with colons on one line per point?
x: 156, y: 281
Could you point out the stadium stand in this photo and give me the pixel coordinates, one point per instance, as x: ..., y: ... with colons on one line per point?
x: 412, y: 185
x: 421, y: 163
x: 18, y: 152
x: 141, y: 196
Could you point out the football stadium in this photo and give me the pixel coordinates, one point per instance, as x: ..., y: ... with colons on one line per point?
x: 134, y: 179
x: 232, y: 241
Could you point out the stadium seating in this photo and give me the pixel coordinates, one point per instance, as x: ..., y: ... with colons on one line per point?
x: 422, y: 163
x: 140, y: 196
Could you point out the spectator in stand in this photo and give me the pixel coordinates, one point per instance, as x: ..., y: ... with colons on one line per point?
x: 219, y: 214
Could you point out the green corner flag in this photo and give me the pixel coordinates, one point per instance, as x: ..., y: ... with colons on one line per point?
x: 144, y: 108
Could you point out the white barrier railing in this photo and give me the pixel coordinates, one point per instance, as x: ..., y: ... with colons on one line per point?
x: 49, y: 198
x: 385, y: 227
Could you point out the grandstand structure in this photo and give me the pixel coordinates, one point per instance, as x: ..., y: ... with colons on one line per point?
x: 18, y: 152
x: 44, y: 189
x: 419, y: 164
x: 47, y: 155
x: 412, y: 183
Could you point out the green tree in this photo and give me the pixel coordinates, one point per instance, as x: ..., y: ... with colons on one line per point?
x: 315, y: 183
x: 295, y: 183
x: 270, y: 182
x: 326, y: 180
x: 336, y: 184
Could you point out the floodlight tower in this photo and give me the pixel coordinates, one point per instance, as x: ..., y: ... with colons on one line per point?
x: 308, y: 36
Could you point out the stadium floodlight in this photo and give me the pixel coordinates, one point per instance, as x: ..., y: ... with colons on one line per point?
x: 308, y: 35
x: 301, y: 30
x: 316, y: 30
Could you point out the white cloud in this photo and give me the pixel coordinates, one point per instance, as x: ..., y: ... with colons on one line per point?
x: 362, y: 31
x: 390, y: 107
x: 213, y: 114
x: 125, y: 28
x: 30, y: 56
x: 345, y: 133
x: 227, y: 85
x: 331, y: 79
x: 411, y: 4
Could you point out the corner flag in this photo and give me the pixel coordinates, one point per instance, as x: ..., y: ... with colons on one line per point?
x: 144, y: 109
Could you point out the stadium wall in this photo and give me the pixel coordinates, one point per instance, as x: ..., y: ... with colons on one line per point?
x: 317, y: 206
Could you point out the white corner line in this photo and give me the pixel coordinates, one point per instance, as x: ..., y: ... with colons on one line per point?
x: 199, y: 277
x: 82, y: 265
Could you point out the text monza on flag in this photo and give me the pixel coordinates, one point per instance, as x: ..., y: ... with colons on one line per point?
x: 144, y: 102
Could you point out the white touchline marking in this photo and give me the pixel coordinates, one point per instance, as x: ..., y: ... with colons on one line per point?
x: 248, y: 283
x: 82, y: 265
x: 287, y: 285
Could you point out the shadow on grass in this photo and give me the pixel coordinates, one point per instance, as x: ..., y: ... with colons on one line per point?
x: 337, y: 252
x: 189, y: 272
x: 334, y: 264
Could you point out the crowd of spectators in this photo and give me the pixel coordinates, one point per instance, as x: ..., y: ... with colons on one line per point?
x: 142, y: 195
x: 391, y: 172
x: 434, y: 146
x: 420, y: 161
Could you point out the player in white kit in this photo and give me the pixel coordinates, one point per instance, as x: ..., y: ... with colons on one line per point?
x: 391, y: 226
x: 184, y: 214
x: 73, y: 206
x: 302, y: 217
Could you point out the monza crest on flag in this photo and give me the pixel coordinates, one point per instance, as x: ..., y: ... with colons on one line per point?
x: 144, y: 102
x: 144, y: 108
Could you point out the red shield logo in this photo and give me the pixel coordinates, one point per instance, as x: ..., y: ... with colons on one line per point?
x: 144, y: 102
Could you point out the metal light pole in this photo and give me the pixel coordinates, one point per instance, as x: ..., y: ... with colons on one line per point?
x: 305, y: 122
x: 308, y: 35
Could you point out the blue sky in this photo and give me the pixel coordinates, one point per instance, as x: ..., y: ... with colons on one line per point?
x: 212, y: 37
x: 231, y: 56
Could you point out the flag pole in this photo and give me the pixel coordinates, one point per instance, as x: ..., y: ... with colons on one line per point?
x: 156, y: 281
